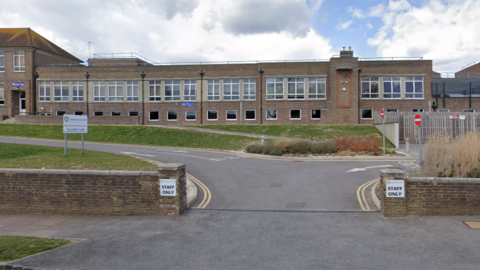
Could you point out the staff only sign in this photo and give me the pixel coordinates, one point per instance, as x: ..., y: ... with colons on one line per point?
x: 168, y: 187
x: 395, y: 188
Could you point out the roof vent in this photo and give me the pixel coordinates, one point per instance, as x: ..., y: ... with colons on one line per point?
x: 346, y: 53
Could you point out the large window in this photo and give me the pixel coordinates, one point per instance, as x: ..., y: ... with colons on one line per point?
x: 296, y: 88
x: 316, y: 114
x: 2, y: 94
x: 19, y: 61
x: 190, y: 115
x: 190, y: 90
x: 370, y: 88
x: 231, y: 89
x: 77, y: 91
x: 60, y: 91
x: 274, y: 88
x: 153, y: 116
x: 271, y: 114
x: 172, y: 90
x: 295, y: 114
x: 44, y: 91
x: 249, y: 88
x: 213, y: 90
x: 115, y: 91
x: 212, y: 115
x: 391, y: 87
x: 2, y: 61
x: 231, y: 115
x: 171, y: 115
x: 366, y: 113
x: 154, y: 89
x: 132, y: 90
x: 98, y: 91
x: 414, y: 87
x: 316, y: 88
x: 249, y: 114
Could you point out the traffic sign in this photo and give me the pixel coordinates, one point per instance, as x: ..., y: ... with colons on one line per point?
x: 418, y: 119
x: 382, y: 113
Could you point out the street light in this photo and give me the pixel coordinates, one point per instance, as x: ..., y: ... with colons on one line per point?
x: 201, y: 95
x: 143, y: 98
x: 261, y: 94
x: 34, y: 92
x: 87, y: 75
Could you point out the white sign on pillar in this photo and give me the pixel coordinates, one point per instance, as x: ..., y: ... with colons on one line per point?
x: 168, y: 187
x: 395, y: 189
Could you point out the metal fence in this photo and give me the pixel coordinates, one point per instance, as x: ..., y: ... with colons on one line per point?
x: 452, y: 124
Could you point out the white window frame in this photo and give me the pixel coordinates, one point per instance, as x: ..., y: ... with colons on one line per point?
x: 317, y: 88
x: 443, y: 110
x: 132, y: 91
x: 190, y: 89
x: 77, y: 91
x: 367, y: 89
x: 115, y: 91
x: 249, y: 89
x: 469, y: 110
x: 43, y: 91
x: 226, y: 115
x: 418, y: 110
x: 77, y: 112
x: 154, y: 91
x: 392, y: 81
x: 62, y: 95
x: 391, y: 110
x: 2, y: 94
x: 216, y: 119
x: 213, y: 89
x: 98, y: 91
x: 135, y: 114
x: 18, y: 61
x: 295, y: 88
x: 311, y: 114
x: 300, y: 118
x: 57, y: 112
x: 229, y: 86
x: 418, y: 91
x: 2, y: 61
x: 150, y: 114
x: 276, y: 114
x: 115, y: 113
x: 194, y: 114
x: 274, y: 88
x: 176, y: 115
x: 95, y: 113
x: 361, y: 114
x: 174, y: 87
x: 254, y: 112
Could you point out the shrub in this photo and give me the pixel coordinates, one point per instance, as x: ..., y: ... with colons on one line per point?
x: 326, y: 147
x: 287, y: 146
x: 254, y: 148
x: 358, y: 144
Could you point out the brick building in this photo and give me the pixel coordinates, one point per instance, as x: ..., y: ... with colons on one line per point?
x: 39, y: 78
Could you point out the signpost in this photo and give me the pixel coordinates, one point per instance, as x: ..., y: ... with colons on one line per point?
x: 74, y: 124
x: 382, y: 114
x: 168, y: 187
x: 395, y: 189
x: 418, y: 122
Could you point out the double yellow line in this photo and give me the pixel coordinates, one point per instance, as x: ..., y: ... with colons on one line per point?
x: 207, y: 195
x: 361, y: 195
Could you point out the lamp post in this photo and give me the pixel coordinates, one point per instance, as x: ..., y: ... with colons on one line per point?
x: 201, y: 95
x: 261, y: 94
x: 143, y: 97
x: 87, y: 75
x: 34, y: 93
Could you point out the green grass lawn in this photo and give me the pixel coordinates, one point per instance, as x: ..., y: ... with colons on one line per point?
x: 17, y: 247
x: 140, y: 135
x: 37, y: 157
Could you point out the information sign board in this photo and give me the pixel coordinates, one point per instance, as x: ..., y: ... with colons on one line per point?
x: 75, y: 124
x: 187, y: 104
x: 395, y: 189
x: 168, y: 187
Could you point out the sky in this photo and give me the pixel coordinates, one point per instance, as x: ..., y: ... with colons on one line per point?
x: 445, y: 31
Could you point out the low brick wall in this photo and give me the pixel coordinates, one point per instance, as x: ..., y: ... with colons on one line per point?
x: 91, y: 192
x: 92, y: 120
x: 430, y: 196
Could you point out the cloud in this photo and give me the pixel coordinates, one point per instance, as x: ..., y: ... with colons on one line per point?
x: 356, y: 12
x: 345, y: 25
x: 398, y: 5
x: 377, y: 11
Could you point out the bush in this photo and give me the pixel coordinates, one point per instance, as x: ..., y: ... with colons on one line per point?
x: 358, y: 144
x: 326, y: 147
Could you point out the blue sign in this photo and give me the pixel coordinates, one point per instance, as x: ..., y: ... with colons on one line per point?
x: 18, y: 84
x: 188, y: 104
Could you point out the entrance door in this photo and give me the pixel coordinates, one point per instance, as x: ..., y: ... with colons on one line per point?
x: 23, y: 109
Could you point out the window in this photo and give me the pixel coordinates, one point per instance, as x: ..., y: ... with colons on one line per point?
x: 370, y: 87
x: 77, y: 91
x: 97, y: 113
x: 249, y: 87
x: 271, y: 114
x: 60, y: 91
x: 295, y: 114
x: 19, y: 61
x: 392, y: 110
x: 115, y: 113
x: 212, y: 115
x: 274, y: 88
x: 132, y: 113
x: 316, y: 114
x: 78, y: 112
x: 296, y: 88
x: 60, y: 112
x: 44, y: 113
x: 172, y: 90
x: 43, y: 91
x: 171, y: 115
x: 190, y: 115
x: 417, y: 110
x: 367, y: 113
x: 414, y: 87
x: 98, y: 91
x: 231, y: 115
x: 115, y: 91
x: 153, y: 116
x: 316, y: 88
x: 250, y: 115
x: 2, y: 61
x: 213, y: 90
x: 443, y: 110
x: 189, y: 90
x: 2, y: 94
x: 391, y: 87
x: 154, y: 90
x: 468, y: 110
x: 132, y: 90
x: 231, y: 89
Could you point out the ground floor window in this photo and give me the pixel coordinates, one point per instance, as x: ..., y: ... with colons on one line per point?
x: 171, y: 115
x: 231, y: 115
x: 443, y: 110
x: 190, y: 115
x: 153, y: 116
x: 115, y: 113
x: 316, y: 114
x: 60, y: 112
x: 250, y: 115
x: 212, y: 115
x: 2, y: 94
x: 468, y: 110
x: 271, y: 114
x: 367, y: 113
x: 295, y: 114
x: 417, y: 110
x: 78, y: 112
x: 392, y: 110
x: 97, y: 113
x: 132, y: 113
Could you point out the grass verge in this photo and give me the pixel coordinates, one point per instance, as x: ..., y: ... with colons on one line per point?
x: 37, y: 157
x: 139, y: 135
x: 17, y: 247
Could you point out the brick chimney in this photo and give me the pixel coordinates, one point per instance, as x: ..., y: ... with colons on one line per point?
x: 346, y: 53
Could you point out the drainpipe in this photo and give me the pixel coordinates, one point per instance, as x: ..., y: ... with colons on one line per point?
x: 359, y: 94
x: 261, y: 94
x: 201, y: 96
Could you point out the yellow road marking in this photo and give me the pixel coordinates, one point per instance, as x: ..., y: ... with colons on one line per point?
x: 207, y: 194
x: 361, y: 195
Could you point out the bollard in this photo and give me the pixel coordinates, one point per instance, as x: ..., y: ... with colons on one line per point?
x: 263, y: 140
x: 408, y: 145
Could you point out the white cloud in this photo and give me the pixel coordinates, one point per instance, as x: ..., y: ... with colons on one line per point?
x: 369, y: 25
x: 398, y: 5
x: 445, y: 32
x: 345, y: 25
x: 377, y: 11
x: 176, y: 31
x: 356, y: 12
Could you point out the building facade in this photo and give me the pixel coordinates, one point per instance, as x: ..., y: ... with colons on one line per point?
x: 41, y: 80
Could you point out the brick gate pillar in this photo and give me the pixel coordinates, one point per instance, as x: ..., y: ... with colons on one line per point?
x: 173, y: 205
x: 392, y: 207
